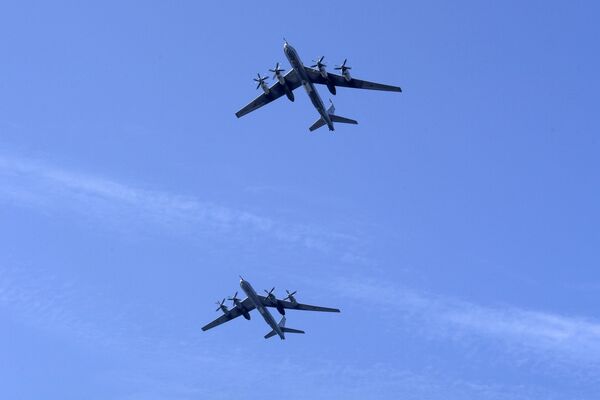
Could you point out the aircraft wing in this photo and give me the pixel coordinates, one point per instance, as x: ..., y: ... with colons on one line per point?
x: 231, y: 314
x: 338, y: 80
x: 295, y: 306
x: 275, y: 91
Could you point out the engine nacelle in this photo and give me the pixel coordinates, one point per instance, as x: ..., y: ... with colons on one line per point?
x: 346, y: 75
x: 331, y: 87
x: 289, y: 94
x: 280, y: 77
x: 323, y: 71
x: 280, y: 308
x: 264, y: 87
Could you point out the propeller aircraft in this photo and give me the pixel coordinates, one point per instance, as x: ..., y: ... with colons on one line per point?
x: 301, y: 75
x: 262, y: 303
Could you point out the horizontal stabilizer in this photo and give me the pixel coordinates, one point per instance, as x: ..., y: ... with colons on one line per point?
x: 270, y: 334
x: 281, y: 325
x: 319, y: 123
x: 291, y: 330
x: 342, y: 120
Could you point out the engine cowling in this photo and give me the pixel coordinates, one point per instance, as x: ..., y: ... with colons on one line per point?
x: 323, y: 71
x: 260, y: 80
x: 279, y: 77
x: 320, y: 66
x: 264, y: 87
x: 331, y: 87
x: 241, y: 307
x: 280, y: 307
x: 345, y: 70
x: 278, y: 74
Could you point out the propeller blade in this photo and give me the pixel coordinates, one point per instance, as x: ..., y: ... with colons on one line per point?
x: 343, y: 67
x: 270, y: 292
x: 318, y: 63
x: 220, y: 304
x: 289, y: 295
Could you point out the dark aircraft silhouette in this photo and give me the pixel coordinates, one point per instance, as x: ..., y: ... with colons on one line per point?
x: 300, y: 75
x: 254, y: 300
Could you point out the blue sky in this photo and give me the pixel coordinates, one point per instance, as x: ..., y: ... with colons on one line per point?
x: 456, y: 226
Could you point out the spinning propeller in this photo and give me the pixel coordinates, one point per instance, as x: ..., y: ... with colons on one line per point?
x: 276, y: 71
x: 260, y: 80
x: 319, y: 63
x: 221, y: 305
x: 343, y: 67
x: 234, y: 298
x: 290, y: 296
x: 270, y: 294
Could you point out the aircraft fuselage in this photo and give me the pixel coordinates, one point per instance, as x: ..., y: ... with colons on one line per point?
x: 296, y: 63
x: 251, y: 293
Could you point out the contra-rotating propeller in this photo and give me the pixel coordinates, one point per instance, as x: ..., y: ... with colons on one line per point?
x: 277, y: 303
x: 260, y: 80
x: 270, y: 294
x: 222, y: 306
x: 234, y: 298
x: 276, y: 71
x: 290, y: 296
x: 319, y: 63
x: 343, y: 67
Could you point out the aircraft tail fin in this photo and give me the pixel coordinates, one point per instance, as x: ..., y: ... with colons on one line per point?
x: 283, y: 329
x: 334, y: 118
x: 286, y: 329
x: 337, y: 118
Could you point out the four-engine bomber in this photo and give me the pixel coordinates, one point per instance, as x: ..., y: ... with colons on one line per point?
x: 301, y: 75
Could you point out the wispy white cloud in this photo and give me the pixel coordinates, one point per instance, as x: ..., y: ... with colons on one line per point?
x: 563, y: 338
x: 192, y: 366
x: 37, y: 184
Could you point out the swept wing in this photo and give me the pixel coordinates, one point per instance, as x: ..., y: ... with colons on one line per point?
x: 275, y: 91
x: 338, y: 80
x: 295, y: 306
x: 231, y: 314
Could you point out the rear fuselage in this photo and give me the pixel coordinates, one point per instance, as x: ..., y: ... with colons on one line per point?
x: 251, y: 293
x: 296, y: 63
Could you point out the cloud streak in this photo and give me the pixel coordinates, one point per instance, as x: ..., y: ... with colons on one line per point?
x: 35, y: 184
x: 563, y: 338
x: 186, y: 368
